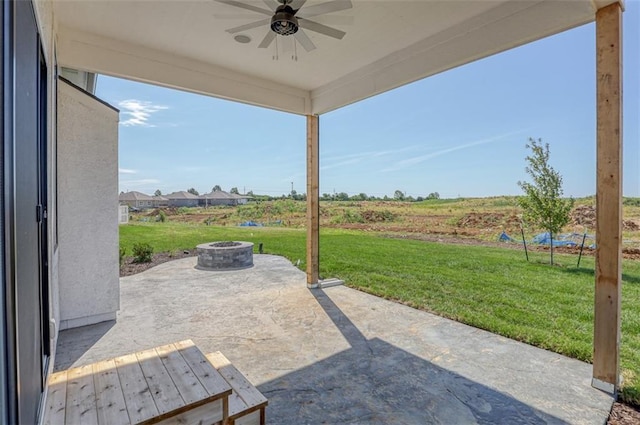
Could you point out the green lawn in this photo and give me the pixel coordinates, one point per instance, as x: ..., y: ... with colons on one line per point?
x: 489, y: 288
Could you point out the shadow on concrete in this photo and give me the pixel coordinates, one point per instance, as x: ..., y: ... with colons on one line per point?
x: 73, y: 343
x: 375, y: 382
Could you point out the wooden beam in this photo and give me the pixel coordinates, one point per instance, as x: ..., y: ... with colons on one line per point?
x: 606, y: 342
x: 313, y: 204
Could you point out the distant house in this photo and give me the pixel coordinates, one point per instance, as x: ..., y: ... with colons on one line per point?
x: 241, y: 199
x: 182, y: 199
x: 160, y: 201
x: 220, y: 197
x: 136, y: 200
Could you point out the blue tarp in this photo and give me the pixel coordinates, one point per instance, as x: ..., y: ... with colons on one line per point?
x: 560, y: 240
x: 563, y: 239
x: 505, y: 238
x: 251, y: 223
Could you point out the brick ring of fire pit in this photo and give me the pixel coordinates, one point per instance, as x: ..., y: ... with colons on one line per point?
x: 225, y: 255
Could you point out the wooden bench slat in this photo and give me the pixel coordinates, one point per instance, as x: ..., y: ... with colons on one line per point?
x: 81, y: 406
x: 110, y: 404
x: 248, y: 397
x: 56, y: 399
x: 161, y: 386
x: 186, y: 382
x: 236, y: 403
x: 209, y: 377
x: 137, y: 397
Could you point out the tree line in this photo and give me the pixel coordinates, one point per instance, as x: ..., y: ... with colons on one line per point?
x: 398, y: 195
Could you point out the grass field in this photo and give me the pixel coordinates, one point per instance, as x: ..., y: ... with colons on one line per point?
x: 491, y: 288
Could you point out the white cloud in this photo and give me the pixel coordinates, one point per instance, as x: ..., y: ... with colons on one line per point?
x: 138, y: 183
x: 419, y: 159
x: 138, y: 112
x: 127, y: 171
x: 339, y: 161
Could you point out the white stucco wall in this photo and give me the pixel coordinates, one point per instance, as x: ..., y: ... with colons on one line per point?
x: 87, y: 142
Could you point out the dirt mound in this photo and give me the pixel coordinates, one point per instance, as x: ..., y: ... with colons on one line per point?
x: 585, y: 215
x: 488, y: 220
x: 377, y: 216
x: 630, y: 225
x: 152, y: 213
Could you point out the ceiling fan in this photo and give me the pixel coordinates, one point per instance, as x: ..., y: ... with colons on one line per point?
x: 287, y: 17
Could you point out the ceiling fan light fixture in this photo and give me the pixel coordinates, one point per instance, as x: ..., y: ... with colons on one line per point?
x: 242, y: 38
x: 284, y: 21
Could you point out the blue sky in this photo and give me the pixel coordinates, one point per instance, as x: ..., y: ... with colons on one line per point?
x: 459, y: 133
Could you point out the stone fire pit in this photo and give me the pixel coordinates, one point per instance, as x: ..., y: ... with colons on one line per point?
x: 226, y: 255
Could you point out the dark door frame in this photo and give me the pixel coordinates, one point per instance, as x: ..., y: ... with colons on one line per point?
x: 10, y: 349
x: 43, y: 205
x: 9, y: 390
x: 4, y: 388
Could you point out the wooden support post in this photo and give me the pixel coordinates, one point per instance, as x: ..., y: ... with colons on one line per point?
x: 606, y: 342
x: 313, y: 204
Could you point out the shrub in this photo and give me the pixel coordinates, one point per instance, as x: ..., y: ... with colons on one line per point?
x: 123, y: 252
x: 162, y: 216
x: 348, y: 217
x: 142, y: 252
x: 632, y: 202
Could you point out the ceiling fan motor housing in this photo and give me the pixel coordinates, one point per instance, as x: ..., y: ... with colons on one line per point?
x: 284, y: 21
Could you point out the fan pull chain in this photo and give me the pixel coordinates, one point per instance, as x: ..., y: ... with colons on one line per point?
x: 295, y: 51
x: 275, y: 57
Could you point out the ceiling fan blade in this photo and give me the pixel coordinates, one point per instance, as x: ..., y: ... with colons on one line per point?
x: 230, y: 16
x: 246, y: 6
x: 304, y: 40
x: 328, y: 7
x: 249, y: 26
x: 271, y: 4
x: 322, y: 29
x: 297, y: 4
x: 267, y: 40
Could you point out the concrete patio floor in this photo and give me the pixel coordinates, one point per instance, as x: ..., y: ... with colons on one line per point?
x: 340, y: 356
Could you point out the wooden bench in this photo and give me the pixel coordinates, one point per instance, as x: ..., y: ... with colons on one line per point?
x: 173, y: 383
x: 246, y: 404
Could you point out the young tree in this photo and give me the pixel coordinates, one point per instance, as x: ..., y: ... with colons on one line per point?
x: 193, y: 191
x: 157, y: 193
x: 398, y: 195
x: 543, y: 204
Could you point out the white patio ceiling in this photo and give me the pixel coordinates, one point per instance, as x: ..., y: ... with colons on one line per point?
x: 183, y: 44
